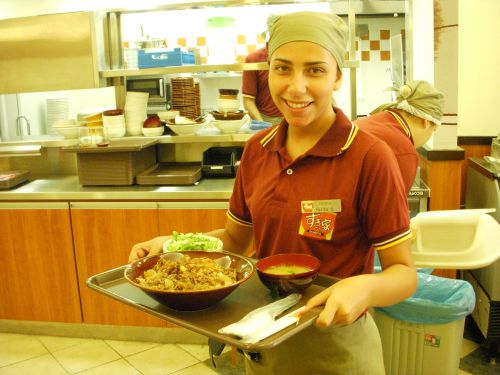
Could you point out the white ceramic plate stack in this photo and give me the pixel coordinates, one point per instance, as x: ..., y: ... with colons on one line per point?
x: 136, y: 104
x: 57, y: 110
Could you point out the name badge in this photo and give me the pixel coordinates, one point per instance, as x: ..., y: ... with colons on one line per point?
x: 318, y: 218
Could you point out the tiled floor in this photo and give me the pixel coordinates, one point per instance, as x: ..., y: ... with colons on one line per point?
x: 49, y: 355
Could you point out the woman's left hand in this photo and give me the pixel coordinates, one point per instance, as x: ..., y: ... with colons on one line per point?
x: 344, y: 301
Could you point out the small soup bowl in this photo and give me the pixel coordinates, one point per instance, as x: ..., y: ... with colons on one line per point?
x: 288, y: 273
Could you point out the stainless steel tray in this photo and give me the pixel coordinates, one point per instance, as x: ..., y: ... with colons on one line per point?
x: 249, y: 296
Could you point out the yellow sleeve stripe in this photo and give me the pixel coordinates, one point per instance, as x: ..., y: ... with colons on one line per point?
x: 393, y: 241
x: 237, y: 220
x: 248, y: 96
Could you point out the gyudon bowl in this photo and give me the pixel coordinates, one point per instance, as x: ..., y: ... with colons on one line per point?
x: 189, y: 280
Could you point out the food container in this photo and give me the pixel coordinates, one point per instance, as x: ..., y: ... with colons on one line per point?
x: 162, y: 57
x: 221, y: 161
x: 117, y: 164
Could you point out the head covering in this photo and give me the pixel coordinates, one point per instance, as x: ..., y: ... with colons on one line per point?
x: 327, y: 30
x: 419, y: 98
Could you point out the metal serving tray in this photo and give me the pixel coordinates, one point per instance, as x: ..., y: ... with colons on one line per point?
x: 247, y: 297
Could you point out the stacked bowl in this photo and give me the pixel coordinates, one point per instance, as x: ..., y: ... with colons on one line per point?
x: 113, y: 121
x: 69, y: 129
x: 229, y: 118
x: 136, y: 104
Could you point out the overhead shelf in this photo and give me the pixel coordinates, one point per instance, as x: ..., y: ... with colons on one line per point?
x: 237, y: 67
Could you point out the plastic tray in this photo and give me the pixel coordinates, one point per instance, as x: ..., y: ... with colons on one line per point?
x: 170, y: 174
x: 247, y: 297
x: 117, y: 164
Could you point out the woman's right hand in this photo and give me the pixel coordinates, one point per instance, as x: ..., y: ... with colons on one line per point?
x: 151, y: 247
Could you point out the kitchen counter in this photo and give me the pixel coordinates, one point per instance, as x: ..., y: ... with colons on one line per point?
x: 67, y: 188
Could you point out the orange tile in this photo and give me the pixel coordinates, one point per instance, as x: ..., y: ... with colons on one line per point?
x: 181, y: 42
x: 203, y: 59
x: 365, y: 55
x: 251, y: 48
x: 365, y: 36
x: 201, y: 41
x: 261, y: 39
x: 385, y: 55
x: 242, y: 39
x: 385, y: 34
x: 240, y: 58
x: 374, y: 45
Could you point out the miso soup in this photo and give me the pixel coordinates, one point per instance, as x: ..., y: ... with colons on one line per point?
x: 284, y: 269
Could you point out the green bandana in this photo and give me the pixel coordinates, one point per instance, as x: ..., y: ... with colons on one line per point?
x: 327, y: 30
x: 419, y: 98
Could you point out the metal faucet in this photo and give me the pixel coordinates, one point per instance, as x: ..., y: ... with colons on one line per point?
x: 19, y: 130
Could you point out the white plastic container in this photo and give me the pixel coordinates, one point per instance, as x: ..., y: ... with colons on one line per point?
x: 456, y: 239
x: 419, y: 349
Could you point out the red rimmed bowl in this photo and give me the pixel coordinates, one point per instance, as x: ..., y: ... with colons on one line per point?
x: 191, y: 300
x: 288, y: 273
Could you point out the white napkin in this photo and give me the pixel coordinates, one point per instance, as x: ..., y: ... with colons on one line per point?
x: 260, y: 323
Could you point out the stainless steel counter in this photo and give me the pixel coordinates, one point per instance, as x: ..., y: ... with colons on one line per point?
x: 67, y: 188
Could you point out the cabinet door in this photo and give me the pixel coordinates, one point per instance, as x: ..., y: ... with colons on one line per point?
x: 188, y: 217
x: 104, y: 234
x: 38, y: 279
x: 195, y: 217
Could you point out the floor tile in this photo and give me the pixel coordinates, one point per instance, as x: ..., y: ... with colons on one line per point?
x: 200, y: 352
x: 119, y: 367
x: 164, y: 359
x: 46, y: 365
x: 20, y: 349
x: 198, y: 369
x: 10, y: 336
x: 85, y: 356
x: 55, y: 343
x: 126, y: 348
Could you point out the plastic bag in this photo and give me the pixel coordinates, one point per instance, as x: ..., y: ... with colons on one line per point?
x: 438, y: 300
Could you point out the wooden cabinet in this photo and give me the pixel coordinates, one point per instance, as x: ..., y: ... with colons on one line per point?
x: 38, y: 279
x: 104, y: 233
x: 188, y: 217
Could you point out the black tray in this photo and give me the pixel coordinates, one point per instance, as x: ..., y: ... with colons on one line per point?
x: 247, y: 297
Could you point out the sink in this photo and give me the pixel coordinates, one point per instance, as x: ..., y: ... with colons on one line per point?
x: 456, y: 239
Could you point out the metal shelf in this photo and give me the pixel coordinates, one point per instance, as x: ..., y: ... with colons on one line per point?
x: 237, y: 67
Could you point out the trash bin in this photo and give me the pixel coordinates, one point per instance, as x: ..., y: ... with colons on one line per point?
x: 423, y: 334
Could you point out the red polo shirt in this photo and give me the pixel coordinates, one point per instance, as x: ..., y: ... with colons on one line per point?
x: 255, y: 84
x: 346, y: 166
x: 391, y: 127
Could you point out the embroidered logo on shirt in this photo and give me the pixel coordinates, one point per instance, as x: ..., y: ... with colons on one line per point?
x: 318, y: 218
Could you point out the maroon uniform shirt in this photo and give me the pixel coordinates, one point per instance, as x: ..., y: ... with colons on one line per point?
x: 390, y: 127
x: 346, y: 167
x: 255, y: 84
